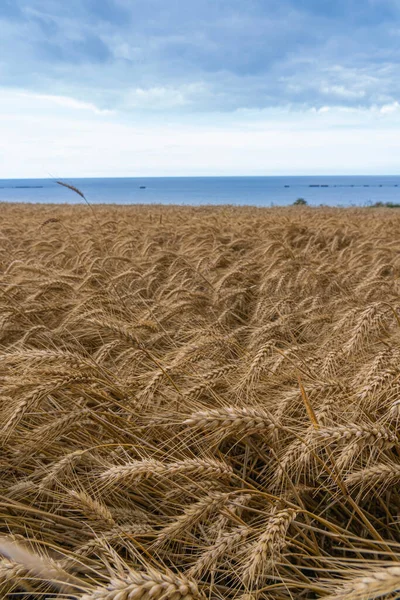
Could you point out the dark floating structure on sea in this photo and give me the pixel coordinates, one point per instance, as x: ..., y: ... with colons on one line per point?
x: 21, y: 187
x: 326, y: 185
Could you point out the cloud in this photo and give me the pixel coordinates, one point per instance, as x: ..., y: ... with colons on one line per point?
x: 162, y: 98
x: 61, y: 101
x: 89, y: 49
x: 255, y: 54
x: 389, y: 109
x: 44, y: 135
x: 256, y: 86
x: 340, y: 91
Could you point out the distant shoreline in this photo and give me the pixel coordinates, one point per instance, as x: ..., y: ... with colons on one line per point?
x: 199, y: 207
x: 197, y: 191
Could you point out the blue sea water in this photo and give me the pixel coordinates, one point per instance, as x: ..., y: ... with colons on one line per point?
x: 256, y: 191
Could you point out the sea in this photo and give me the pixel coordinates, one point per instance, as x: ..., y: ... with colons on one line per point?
x: 345, y: 191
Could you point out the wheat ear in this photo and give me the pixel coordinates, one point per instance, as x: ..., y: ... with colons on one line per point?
x: 42, y: 567
x: 266, y: 550
x: 232, y: 419
x: 372, y: 585
x: 191, y: 515
x: 380, y: 474
x: 226, y: 543
x: 95, y: 511
x: 137, y: 470
x: 151, y: 585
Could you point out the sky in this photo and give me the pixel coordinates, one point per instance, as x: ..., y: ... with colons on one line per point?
x: 199, y: 87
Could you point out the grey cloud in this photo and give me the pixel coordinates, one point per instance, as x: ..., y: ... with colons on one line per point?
x: 207, y: 54
x: 90, y: 49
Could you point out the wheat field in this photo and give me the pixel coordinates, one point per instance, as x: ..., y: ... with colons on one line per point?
x: 199, y: 403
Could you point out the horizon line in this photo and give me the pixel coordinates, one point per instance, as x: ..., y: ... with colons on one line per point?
x: 54, y: 179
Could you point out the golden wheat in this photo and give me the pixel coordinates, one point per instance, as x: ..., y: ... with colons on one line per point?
x: 199, y: 403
